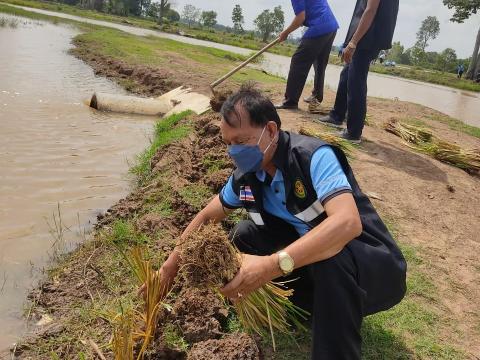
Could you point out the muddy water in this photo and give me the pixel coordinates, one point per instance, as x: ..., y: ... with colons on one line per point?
x: 53, y: 150
x: 462, y: 105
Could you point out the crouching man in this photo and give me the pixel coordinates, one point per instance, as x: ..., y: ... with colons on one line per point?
x: 308, y: 220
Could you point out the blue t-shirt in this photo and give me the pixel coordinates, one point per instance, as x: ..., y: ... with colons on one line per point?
x: 328, y: 179
x: 319, y: 17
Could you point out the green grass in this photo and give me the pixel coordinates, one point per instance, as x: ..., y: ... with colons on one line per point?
x: 458, y: 125
x: 429, y: 76
x: 407, y: 330
x: 213, y: 164
x: 165, y: 133
x: 123, y: 234
x: 173, y: 338
x: 158, y: 52
x: 196, y: 195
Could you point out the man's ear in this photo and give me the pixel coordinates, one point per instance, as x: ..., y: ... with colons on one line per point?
x: 272, y: 128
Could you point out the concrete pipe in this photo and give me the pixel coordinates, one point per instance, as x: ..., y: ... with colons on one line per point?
x: 131, y: 104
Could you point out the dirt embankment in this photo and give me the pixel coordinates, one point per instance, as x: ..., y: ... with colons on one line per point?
x: 198, y: 316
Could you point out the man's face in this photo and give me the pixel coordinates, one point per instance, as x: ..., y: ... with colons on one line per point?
x: 241, y: 132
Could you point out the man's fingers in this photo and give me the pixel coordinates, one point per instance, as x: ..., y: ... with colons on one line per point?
x: 231, y: 289
x: 141, y: 289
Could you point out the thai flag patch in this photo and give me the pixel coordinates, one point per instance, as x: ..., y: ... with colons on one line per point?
x: 246, y: 194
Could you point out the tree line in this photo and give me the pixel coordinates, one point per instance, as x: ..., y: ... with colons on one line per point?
x: 267, y: 24
x: 270, y: 23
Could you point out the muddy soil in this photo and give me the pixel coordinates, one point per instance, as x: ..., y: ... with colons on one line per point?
x: 236, y: 346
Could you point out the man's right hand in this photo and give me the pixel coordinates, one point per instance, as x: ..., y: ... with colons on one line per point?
x: 167, y: 273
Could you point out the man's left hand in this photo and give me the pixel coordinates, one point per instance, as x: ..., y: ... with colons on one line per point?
x: 255, y: 272
x: 347, y: 54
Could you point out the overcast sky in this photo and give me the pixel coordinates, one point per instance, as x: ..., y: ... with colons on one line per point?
x: 460, y: 37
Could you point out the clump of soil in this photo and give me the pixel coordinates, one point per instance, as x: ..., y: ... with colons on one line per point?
x: 216, y: 180
x: 199, y: 313
x: 218, y: 98
x: 208, y: 257
x: 236, y: 346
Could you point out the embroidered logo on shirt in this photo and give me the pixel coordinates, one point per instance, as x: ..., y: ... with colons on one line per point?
x: 246, y: 194
x: 299, y: 189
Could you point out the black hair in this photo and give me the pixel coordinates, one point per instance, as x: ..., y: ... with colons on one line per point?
x: 258, y: 106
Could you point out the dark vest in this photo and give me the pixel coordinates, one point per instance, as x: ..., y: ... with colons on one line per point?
x: 380, y: 34
x: 381, y: 265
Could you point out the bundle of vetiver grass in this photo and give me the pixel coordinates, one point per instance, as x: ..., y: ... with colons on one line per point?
x: 426, y: 142
x: 210, y: 259
x: 328, y: 137
x: 468, y: 160
x: 132, y: 325
x: 410, y: 133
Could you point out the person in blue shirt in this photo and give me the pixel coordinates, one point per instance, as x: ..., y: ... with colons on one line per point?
x: 309, y: 221
x: 460, y: 70
x: 371, y: 30
x: 314, y: 49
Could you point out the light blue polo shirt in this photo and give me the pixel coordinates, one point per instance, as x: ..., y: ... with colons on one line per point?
x: 319, y: 17
x: 328, y: 179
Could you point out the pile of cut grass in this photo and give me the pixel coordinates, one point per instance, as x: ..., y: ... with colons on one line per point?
x: 444, y: 151
x: 346, y: 146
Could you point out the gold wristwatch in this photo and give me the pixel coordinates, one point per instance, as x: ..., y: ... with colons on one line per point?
x: 285, y: 262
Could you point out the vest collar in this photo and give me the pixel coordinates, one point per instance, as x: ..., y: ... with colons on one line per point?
x: 280, y: 158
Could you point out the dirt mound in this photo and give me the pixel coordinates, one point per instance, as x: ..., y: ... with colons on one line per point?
x: 216, y: 180
x: 138, y: 79
x: 199, y: 314
x: 236, y: 346
x: 218, y: 98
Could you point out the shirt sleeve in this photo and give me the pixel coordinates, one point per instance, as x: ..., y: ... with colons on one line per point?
x: 298, y: 6
x: 328, y: 177
x: 228, y: 198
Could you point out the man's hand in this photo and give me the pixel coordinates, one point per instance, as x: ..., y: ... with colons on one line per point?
x: 347, y: 53
x: 283, y: 35
x: 167, y: 273
x: 255, y: 272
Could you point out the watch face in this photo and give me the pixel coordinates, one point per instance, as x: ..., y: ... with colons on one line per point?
x: 286, y: 264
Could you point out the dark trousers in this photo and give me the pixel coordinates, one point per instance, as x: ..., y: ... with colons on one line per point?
x: 352, y: 92
x: 327, y: 289
x: 312, y: 51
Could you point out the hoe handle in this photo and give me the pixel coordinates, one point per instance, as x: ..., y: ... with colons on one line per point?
x: 250, y: 59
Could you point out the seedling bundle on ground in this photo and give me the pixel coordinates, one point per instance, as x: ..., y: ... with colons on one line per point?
x: 208, y: 261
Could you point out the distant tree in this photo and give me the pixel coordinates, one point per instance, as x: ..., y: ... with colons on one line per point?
x: 237, y: 19
x: 134, y: 7
x: 190, y: 14
x: 429, y: 30
x: 145, y: 6
x: 173, y: 15
x: 396, y: 52
x: 269, y: 23
x: 446, y: 60
x: 463, y: 10
x: 418, y: 55
x: 208, y: 18
x: 163, y: 8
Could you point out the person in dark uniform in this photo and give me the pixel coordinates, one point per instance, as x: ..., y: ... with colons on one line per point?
x: 308, y: 220
x: 371, y: 30
x: 314, y: 49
